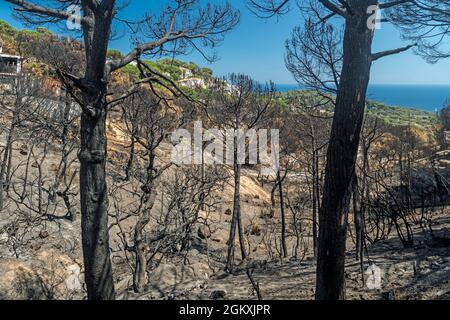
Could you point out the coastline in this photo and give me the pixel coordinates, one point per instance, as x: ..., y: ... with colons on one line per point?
x: 430, y: 98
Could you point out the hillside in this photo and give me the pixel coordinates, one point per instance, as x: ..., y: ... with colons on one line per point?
x: 194, y: 77
x: 19, y: 42
x: 390, y: 115
x: 402, y: 116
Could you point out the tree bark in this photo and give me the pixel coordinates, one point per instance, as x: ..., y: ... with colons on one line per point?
x: 92, y: 156
x: 94, y: 205
x: 140, y: 273
x: 342, y: 153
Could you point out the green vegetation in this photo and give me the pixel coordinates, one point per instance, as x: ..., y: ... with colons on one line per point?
x: 400, y: 116
x: 13, y: 38
x: 9, y: 33
x: 114, y: 54
x: 390, y: 115
x: 173, y: 68
x: 6, y: 29
x: 177, y: 70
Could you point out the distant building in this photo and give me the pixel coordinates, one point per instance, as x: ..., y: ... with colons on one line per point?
x: 193, y: 83
x: 10, y: 65
x: 186, y: 73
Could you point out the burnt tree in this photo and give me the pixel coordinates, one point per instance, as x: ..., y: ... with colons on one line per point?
x: 181, y: 26
x: 238, y: 103
x: 346, y: 75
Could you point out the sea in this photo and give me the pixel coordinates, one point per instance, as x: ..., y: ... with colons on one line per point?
x: 424, y: 97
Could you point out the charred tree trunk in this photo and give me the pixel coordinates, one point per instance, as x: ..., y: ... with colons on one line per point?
x: 240, y: 230
x: 284, y: 250
x: 130, y: 161
x: 358, y: 219
x: 64, y: 163
x: 236, y: 221
x: 341, y: 154
x: 140, y: 273
x: 92, y: 155
x: 272, y: 199
x: 315, y: 196
x: 94, y: 204
x: 230, y: 253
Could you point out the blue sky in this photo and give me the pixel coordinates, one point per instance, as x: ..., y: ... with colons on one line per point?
x: 256, y: 48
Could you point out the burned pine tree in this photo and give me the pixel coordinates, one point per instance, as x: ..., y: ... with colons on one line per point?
x: 346, y: 75
x: 238, y: 103
x: 181, y: 26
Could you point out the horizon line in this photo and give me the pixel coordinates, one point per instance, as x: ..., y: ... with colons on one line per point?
x: 384, y: 84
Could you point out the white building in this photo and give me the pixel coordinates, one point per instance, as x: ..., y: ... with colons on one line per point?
x: 186, y: 73
x: 10, y: 65
x: 193, y: 83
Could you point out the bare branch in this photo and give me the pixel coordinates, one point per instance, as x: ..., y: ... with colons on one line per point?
x: 382, y: 54
x: 44, y: 11
x: 394, y: 3
x: 179, y: 27
x: 334, y: 8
